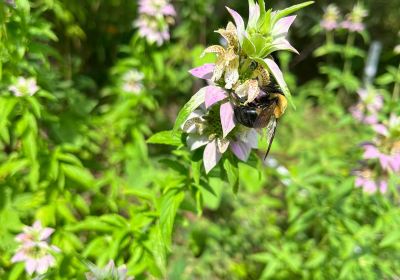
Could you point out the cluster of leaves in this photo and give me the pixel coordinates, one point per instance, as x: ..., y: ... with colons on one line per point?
x: 76, y: 156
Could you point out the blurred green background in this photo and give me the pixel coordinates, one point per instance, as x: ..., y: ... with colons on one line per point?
x: 75, y: 156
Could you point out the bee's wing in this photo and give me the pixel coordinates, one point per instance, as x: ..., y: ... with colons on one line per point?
x: 271, y: 129
x: 264, y: 117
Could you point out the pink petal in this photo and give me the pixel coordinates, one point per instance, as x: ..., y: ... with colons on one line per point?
x: 238, y: 22
x: 211, y: 156
x: 19, y: 256
x: 203, y: 72
x: 45, y: 233
x: 370, y: 186
x: 282, y: 26
x: 241, y: 150
x: 395, y: 163
x: 30, y: 266
x: 227, y: 118
x: 360, y: 181
x: 37, y: 225
x: 381, y: 129
x: 383, y: 186
x: 385, y: 161
x: 371, y: 152
x: 277, y: 73
x: 284, y: 45
x: 213, y: 95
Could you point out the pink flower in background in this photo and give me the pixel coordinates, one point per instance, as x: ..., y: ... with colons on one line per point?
x: 154, y: 20
x: 331, y: 18
x: 24, y: 87
x: 365, y: 181
x: 386, y: 147
x: 354, y: 20
x: 368, y: 106
x: 132, y: 81
x: 34, y: 249
x: 108, y: 272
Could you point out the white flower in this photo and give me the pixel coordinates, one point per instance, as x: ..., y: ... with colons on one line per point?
x: 132, y: 81
x: 24, y: 87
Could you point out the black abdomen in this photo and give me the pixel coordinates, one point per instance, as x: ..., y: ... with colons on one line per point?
x: 245, y: 115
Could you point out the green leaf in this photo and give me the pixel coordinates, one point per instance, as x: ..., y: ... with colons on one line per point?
x: 169, y: 206
x: 194, y: 102
x: 390, y: 239
x: 78, y: 174
x: 290, y: 10
x: 232, y: 173
x: 168, y: 137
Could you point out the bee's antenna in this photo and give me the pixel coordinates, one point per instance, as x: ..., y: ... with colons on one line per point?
x: 272, y: 139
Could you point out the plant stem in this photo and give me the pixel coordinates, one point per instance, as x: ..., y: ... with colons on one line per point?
x: 329, y: 41
x: 396, y: 89
x: 348, y: 60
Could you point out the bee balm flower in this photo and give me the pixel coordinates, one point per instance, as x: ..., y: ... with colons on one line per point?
x: 24, y: 87
x: 34, y: 249
x: 354, y: 20
x: 331, y: 17
x: 132, y: 81
x: 154, y: 20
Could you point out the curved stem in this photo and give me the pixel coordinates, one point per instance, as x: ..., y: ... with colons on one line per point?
x: 347, y: 60
x: 396, y: 89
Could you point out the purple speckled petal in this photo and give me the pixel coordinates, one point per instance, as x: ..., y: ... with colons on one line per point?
x: 211, y: 156
x: 239, y: 22
x: 227, y: 118
x: 241, y: 150
x: 213, y: 95
x: 203, y: 72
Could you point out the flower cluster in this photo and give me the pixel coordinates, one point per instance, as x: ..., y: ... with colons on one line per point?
x: 34, y: 249
x: 24, y: 87
x: 154, y: 20
x: 132, y: 82
x: 241, y: 77
x: 108, y: 272
x: 353, y: 22
x: 369, y: 104
x: 382, y: 157
x: 330, y: 20
x: 397, y: 47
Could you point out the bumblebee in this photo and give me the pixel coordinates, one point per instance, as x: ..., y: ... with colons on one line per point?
x: 263, y: 112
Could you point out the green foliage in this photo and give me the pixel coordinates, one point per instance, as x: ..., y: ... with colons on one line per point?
x: 109, y: 169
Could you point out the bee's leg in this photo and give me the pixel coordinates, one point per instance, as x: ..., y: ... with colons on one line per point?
x: 271, y: 139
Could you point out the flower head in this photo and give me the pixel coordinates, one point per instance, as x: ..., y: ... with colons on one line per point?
x: 109, y: 272
x: 204, y: 129
x: 330, y: 18
x: 386, y: 146
x: 154, y: 20
x: 368, y: 106
x: 24, y: 87
x: 354, y: 20
x: 34, y: 249
x: 365, y: 180
x: 132, y: 81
